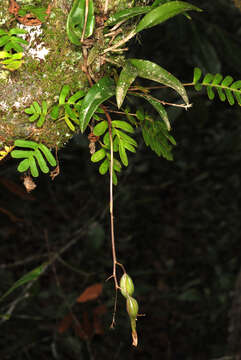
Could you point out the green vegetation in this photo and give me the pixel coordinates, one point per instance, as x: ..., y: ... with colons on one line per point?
x: 126, y: 103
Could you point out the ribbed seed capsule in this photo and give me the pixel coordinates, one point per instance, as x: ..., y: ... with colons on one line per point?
x: 132, y: 307
x: 126, y: 285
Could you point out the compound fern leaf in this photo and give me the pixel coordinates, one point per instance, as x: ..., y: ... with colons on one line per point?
x: 37, y: 112
x: 226, y: 87
x: 33, y: 157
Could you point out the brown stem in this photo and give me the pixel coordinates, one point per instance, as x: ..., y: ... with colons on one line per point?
x: 86, y: 17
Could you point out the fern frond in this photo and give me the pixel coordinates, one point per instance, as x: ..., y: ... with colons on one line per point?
x: 33, y: 157
x: 37, y: 112
x: 121, y: 143
x: 71, y: 107
x: 226, y: 87
x: 157, y: 136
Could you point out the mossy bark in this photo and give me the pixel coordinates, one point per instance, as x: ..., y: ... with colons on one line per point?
x: 50, y: 61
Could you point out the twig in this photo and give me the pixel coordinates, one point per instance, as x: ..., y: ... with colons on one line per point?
x: 86, y: 17
x: 121, y: 42
x: 106, y: 6
x: 112, y: 216
x: 185, y: 106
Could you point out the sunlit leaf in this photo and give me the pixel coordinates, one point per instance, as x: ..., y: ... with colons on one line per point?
x: 149, y: 70
x: 122, y: 153
x: 164, y: 12
x: 98, y: 155
x: 122, y: 125
x: 100, y: 128
x: 98, y: 93
x: 126, y: 78
x: 127, y: 14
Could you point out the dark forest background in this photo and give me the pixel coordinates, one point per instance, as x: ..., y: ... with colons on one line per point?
x: 177, y: 223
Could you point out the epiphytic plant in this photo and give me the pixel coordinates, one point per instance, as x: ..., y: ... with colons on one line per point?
x: 102, y: 40
x: 10, y: 41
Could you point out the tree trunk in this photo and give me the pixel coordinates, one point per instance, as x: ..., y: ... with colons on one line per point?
x: 50, y: 61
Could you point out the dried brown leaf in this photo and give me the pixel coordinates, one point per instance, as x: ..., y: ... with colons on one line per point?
x: 90, y: 293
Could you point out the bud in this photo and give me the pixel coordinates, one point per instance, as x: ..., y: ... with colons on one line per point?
x: 132, y: 307
x: 126, y: 285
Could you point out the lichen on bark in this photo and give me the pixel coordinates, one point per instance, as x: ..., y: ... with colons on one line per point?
x: 50, y: 61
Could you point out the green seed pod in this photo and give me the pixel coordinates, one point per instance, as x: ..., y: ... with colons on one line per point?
x: 132, y: 307
x: 126, y: 285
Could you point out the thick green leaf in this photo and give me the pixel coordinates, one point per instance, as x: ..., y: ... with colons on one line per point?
x: 164, y: 12
x: 33, y: 167
x: 41, y: 162
x: 221, y: 94
x: 100, y: 128
x: 98, y: 93
x: 4, y: 40
x: 30, y: 276
x: 37, y: 107
x: 129, y: 147
x: 122, y: 125
x: 47, y: 154
x: 29, y: 110
x: 13, y: 45
x: 69, y: 123
x: 71, y: 113
x: 104, y: 167
x: 24, y: 165
x: 116, y: 144
x: 19, y: 154
x: 19, y: 40
x: 3, y: 32
x: 78, y: 95
x: 55, y: 112
x: 122, y: 153
x: 4, y: 54
x: 124, y: 137
x: 210, y: 93
x: 217, y: 79
x: 41, y: 120
x: 127, y: 14
x: 106, y: 139
x: 117, y: 165
x: 98, y: 155
x: 227, y: 80
x: 126, y: 78
x: 26, y: 144
x: 16, y: 31
x: 64, y: 93
x: 34, y: 117
x: 17, y: 56
x: 208, y: 78
x: 149, y: 70
x: 196, y: 74
x: 76, y: 20
x: 229, y: 96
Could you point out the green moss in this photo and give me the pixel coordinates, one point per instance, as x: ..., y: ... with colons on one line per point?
x: 39, y: 80
x: 43, y: 79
